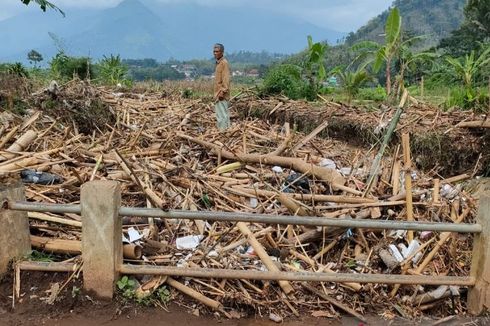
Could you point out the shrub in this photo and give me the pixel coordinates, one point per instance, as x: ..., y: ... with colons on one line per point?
x: 66, y: 67
x: 373, y: 94
x: 284, y: 79
x: 112, y: 71
x: 465, y: 98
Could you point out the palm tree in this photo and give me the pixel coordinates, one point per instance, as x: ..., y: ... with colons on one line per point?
x: 352, y: 81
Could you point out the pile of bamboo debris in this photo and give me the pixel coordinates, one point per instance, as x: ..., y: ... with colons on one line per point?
x: 167, y: 153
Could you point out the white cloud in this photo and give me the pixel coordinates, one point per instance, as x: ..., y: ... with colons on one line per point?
x: 341, y: 15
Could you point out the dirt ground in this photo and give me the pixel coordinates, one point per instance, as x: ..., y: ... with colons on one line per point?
x: 74, y: 308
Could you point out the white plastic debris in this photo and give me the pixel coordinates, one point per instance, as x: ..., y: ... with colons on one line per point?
x: 450, y: 192
x: 254, y: 202
x: 397, y: 234
x: 396, y: 253
x: 410, y: 250
x: 345, y: 171
x: 275, y: 318
x: 134, y: 235
x: 328, y: 163
x: 277, y: 169
x: 189, y: 242
x: 454, y: 290
x: 439, y: 292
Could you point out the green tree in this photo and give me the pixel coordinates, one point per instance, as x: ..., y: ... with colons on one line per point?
x: 44, y: 5
x: 474, y: 30
x: 34, y: 57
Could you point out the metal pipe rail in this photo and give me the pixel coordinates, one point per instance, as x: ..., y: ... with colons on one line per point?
x: 258, y: 218
x: 259, y: 275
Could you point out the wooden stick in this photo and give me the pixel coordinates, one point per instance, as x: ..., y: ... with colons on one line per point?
x: 9, y: 136
x: 435, y: 193
x: 155, y: 200
x: 21, y: 164
x: 271, y: 266
x: 395, y: 178
x: 323, y: 174
x: 22, y: 142
x: 310, y: 136
x: 474, y: 124
x: 456, y: 178
x: 215, y: 305
x: 333, y: 301
x: 408, y: 180
x: 53, y: 219
x: 303, y: 197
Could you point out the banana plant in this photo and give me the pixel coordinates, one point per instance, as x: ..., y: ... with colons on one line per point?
x: 467, y: 68
x: 379, y: 54
x: 314, y: 68
x: 407, y: 59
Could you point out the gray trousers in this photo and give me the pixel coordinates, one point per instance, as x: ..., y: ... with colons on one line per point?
x: 222, y: 115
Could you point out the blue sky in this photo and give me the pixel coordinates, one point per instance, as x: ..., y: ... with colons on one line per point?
x: 341, y: 15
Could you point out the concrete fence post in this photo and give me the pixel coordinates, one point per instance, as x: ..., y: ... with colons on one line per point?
x: 14, y: 227
x: 101, y: 236
x: 479, y: 295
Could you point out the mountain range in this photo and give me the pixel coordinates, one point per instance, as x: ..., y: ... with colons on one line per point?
x: 153, y: 29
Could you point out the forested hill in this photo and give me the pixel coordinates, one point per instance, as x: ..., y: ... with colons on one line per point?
x: 434, y: 18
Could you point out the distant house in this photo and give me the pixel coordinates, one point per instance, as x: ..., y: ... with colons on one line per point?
x: 237, y: 73
x: 252, y: 73
x: 188, y: 70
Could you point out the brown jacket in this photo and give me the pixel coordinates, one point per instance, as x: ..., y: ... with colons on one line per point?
x: 222, y: 79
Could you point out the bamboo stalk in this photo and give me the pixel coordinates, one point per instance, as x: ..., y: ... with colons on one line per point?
x: 22, y: 142
x: 408, y: 181
x: 334, y: 302
x: 271, y: 266
x: 377, y: 160
x: 321, y: 173
x: 310, y: 136
x: 53, y: 219
x: 303, y: 197
x: 215, y: 305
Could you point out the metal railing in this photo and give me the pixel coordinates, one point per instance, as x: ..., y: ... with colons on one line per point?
x: 478, y: 269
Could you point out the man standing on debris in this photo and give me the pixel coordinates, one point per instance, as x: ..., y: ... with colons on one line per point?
x: 221, y: 87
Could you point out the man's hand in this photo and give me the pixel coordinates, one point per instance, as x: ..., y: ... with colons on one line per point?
x: 221, y: 96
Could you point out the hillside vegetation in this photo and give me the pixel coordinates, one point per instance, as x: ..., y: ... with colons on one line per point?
x: 434, y: 18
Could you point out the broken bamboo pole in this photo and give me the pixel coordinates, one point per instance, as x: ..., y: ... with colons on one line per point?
x: 322, y: 174
x: 271, y: 266
x: 377, y: 160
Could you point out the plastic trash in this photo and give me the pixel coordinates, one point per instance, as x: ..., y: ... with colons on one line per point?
x: 189, y: 242
x: 345, y: 171
x: 43, y: 178
x: 254, y: 202
x: 296, y: 182
x: 396, y: 253
x: 328, y: 163
x: 134, y: 235
x: 277, y: 169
